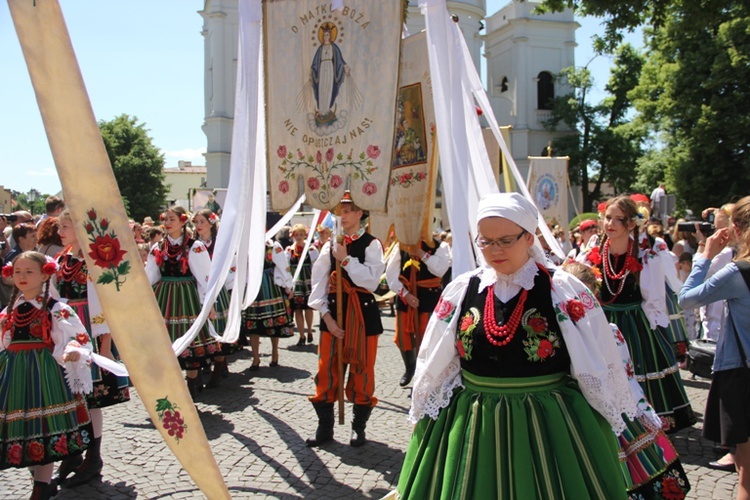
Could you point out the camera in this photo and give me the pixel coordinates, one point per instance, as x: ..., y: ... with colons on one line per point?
x: 689, y: 227
x: 9, y: 217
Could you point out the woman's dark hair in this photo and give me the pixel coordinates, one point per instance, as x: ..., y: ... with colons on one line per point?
x: 40, y: 259
x: 206, y: 213
x: 630, y: 209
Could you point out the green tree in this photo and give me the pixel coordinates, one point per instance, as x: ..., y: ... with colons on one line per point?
x: 694, y: 97
x: 137, y: 165
x: 22, y: 202
x: 605, y: 145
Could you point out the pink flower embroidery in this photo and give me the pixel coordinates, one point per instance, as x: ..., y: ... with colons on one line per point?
x: 318, y: 157
x: 443, y: 309
x: 369, y: 188
x: 373, y: 151
x: 336, y: 181
x: 313, y: 183
x: 329, y: 154
x: 284, y: 187
x: 281, y: 152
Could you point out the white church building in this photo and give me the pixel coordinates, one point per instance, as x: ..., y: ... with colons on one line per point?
x: 522, y: 50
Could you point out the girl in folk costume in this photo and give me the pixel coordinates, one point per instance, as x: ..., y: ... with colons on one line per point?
x: 303, y: 314
x: 178, y: 269
x: 650, y: 464
x: 42, y: 418
x: 633, y: 273
x: 207, y: 226
x: 270, y: 314
x: 72, y: 282
x: 519, y: 384
x: 416, y: 277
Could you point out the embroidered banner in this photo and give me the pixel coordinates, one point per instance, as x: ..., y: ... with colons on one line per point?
x: 331, y: 84
x: 413, y: 159
x: 548, y: 186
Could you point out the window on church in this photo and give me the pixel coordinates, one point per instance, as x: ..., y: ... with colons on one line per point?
x: 504, y: 84
x: 545, y: 90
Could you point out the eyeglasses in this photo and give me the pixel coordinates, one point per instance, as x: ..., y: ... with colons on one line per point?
x: 506, y: 242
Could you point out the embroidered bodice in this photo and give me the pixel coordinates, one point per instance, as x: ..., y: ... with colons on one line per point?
x: 71, y: 278
x: 537, y: 348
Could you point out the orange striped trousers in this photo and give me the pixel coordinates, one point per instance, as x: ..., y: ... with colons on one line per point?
x: 359, y: 387
x: 404, y: 340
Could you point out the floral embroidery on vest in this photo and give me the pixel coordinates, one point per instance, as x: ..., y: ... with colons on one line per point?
x: 540, y: 344
x: 466, y: 327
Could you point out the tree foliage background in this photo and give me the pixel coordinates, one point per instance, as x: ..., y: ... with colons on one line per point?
x: 137, y: 165
x: 691, y: 99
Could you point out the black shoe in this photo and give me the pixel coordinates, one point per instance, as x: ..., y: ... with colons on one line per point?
x: 722, y: 467
x: 43, y: 491
x: 301, y: 342
x: 359, y: 422
x: 310, y: 338
x: 67, y: 467
x: 193, y: 387
x: 273, y: 364
x: 254, y: 368
x: 410, y: 363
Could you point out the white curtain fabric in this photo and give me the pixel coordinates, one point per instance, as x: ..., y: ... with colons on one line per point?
x: 244, y: 216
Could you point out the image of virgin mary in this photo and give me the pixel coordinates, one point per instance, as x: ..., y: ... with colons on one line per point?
x: 327, y: 74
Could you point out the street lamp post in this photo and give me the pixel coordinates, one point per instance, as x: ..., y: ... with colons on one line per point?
x: 32, y: 196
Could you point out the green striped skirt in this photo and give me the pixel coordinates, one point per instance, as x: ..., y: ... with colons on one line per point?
x: 676, y: 331
x: 109, y: 389
x: 654, y: 365
x: 180, y: 305
x: 41, y: 421
x: 514, y: 438
x: 221, y: 307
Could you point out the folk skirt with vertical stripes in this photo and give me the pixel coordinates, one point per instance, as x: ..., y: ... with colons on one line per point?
x: 180, y: 305
x: 109, y: 389
x: 221, y: 308
x: 41, y: 421
x: 654, y: 364
x: 514, y: 438
x: 677, y: 332
x: 270, y: 315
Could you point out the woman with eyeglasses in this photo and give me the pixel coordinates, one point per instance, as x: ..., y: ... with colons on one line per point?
x: 519, y: 384
x: 633, y: 269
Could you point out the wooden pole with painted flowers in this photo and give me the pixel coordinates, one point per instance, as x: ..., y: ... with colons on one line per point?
x: 99, y: 217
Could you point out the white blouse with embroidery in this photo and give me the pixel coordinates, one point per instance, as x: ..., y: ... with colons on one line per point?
x: 595, y: 361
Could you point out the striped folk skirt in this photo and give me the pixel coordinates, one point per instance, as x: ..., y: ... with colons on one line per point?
x: 41, y: 421
x: 221, y: 308
x: 180, y: 305
x: 513, y: 438
x: 270, y: 315
x: 109, y: 389
x: 654, y: 365
x: 677, y: 332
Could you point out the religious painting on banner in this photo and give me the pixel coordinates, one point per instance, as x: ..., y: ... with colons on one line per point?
x: 548, y: 186
x: 414, y: 156
x: 331, y: 91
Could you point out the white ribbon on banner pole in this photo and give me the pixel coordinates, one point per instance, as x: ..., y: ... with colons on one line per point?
x: 244, y: 215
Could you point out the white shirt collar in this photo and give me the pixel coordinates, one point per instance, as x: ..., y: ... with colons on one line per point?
x: 509, y: 283
x: 174, y: 241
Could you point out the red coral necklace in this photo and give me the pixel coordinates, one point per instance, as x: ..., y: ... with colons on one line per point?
x: 69, y: 271
x: 22, y: 320
x: 500, y: 335
x: 610, y: 275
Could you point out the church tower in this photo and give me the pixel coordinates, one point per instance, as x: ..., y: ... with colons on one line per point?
x: 220, y: 35
x: 524, y: 52
x: 470, y: 14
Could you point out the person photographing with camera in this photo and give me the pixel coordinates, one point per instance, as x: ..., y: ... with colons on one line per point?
x: 727, y: 416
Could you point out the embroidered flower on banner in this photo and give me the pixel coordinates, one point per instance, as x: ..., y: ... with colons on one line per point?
x: 170, y: 418
x: 408, y: 179
x: 324, y: 171
x: 106, y: 251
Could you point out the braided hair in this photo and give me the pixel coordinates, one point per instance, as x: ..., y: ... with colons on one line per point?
x: 40, y: 259
x: 206, y: 213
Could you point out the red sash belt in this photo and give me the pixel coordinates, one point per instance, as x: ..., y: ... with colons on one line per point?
x: 29, y: 346
x: 354, y: 324
x: 410, y: 317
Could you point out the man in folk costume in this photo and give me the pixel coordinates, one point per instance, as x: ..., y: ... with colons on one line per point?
x: 416, y: 276
x: 361, y: 257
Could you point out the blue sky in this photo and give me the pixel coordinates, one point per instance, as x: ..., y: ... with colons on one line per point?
x: 143, y: 58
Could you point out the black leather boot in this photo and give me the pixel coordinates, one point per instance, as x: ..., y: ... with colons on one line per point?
x: 410, y: 363
x: 359, y: 422
x: 91, y: 467
x: 43, y: 491
x: 324, y: 433
x: 67, y: 467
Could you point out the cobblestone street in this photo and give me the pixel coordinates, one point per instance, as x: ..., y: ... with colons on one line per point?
x: 257, y: 423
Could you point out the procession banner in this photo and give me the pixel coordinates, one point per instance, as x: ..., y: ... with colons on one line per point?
x: 95, y: 204
x: 331, y: 89
x: 547, y: 183
x: 412, y: 184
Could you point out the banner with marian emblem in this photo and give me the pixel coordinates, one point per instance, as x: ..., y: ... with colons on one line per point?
x: 548, y: 186
x: 414, y: 155
x: 331, y: 90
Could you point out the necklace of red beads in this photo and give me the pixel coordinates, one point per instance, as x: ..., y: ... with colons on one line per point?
x: 609, y: 274
x: 500, y: 335
x: 69, y: 271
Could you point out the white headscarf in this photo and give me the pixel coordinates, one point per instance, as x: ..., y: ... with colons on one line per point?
x: 517, y: 209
